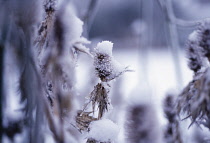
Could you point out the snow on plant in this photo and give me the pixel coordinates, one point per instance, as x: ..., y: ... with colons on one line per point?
x: 47, y: 59
x: 198, y: 47
x: 64, y: 41
x: 106, y: 69
x: 195, y: 98
x: 195, y: 62
x: 103, y: 130
x: 58, y: 62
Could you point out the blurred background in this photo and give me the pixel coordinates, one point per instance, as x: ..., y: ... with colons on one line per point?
x: 122, y: 19
x: 149, y: 37
x: 146, y: 35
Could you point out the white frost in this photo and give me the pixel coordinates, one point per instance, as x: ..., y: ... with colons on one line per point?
x: 72, y: 24
x: 103, y: 130
x: 105, y: 47
x: 193, y: 37
x: 118, y: 67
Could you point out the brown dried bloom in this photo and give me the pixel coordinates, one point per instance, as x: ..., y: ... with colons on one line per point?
x: 99, y: 96
x: 195, y: 99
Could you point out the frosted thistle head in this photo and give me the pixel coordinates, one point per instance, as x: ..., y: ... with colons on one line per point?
x: 103, y: 60
x: 198, y: 47
x: 195, y: 61
x: 107, y: 68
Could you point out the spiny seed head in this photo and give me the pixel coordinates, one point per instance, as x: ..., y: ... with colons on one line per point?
x: 103, y: 60
x: 103, y: 66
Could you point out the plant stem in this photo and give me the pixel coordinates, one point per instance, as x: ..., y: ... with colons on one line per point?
x: 1, y: 89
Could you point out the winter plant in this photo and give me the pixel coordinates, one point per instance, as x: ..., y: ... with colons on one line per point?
x: 46, y: 59
x: 41, y: 44
x: 106, y: 69
x: 194, y: 100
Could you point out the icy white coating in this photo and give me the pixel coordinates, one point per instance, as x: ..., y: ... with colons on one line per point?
x: 206, y: 23
x: 104, y: 47
x: 72, y: 24
x: 193, y: 37
x: 103, y: 130
x: 118, y: 67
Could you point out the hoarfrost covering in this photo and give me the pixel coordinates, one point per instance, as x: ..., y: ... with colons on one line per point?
x: 72, y: 25
x: 198, y: 51
x: 73, y: 30
x: 105, y: 47
x: 194, y: 36
x: 103, y: 130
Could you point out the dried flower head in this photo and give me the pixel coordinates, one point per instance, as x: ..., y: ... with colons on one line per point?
x: 83, y: 120
x: 195, y: 99
x: 99, y: 96
x: 198, y: 46
x: 193, y: 52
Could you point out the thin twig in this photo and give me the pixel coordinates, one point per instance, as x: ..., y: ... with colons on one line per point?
x: 178, y: 21
x: 174, y: 48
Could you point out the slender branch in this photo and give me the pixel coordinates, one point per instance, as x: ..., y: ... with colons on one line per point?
x: 177, y: 21
x: 174, y: 41
x: 4, y: 34
x: 89, y: 16
x: 1, y: 88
